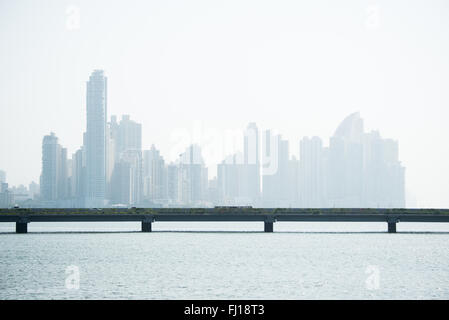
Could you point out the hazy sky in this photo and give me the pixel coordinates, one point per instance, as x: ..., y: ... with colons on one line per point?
x: 209, y: 67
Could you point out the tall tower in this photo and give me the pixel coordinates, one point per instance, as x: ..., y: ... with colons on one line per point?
x: 96, y: 107
x: 311, y: 173
x: 251, y: 144
x: 275, y: 155
x: 129, y: 135
x: 154, y: 172
x: 192, y: 176
x: 50, y: 176
x: 346, y: 163
x: 251, y: 172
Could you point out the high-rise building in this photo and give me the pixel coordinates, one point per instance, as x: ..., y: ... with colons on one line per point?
x: 275, y: 153
x: 2, y: 176
x: 250, y: 188
x: 363, y: 169
x: 126, y: 180
x: 126, y: 135
x: 212, y: 192
x: 63, y: 175
x: 124, y: 168
x: 51, y: 176
x: 231, y: 178
x: 346, y: 163
x: 383, y: 175
x: 270, y: 157
x: 172, y: 184
x: 293, y: 182
x: 283, y: 171
x: 238, y: 176
x: 96, y: 107
x: 34, y: 190
x: 311, y: 173
x: 78, y: 177
x: 154, y: 175
x: 192, y: 177
x: 6, y: 196
x: 111, y: 156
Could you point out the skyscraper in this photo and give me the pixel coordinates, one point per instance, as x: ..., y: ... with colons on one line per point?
x: 293, y: 182
x: 311, y: 173
x: 6, y: 196
x: 346, y: 163
x: 111, y: 157
x: 78, y: 178
x: 63, y: 175
x: 383, y: 175
x: 127, y: 184
x: 124, y: 161
x: 51, y: 164
x: 96, y: 107
x: 34, y: 190
x: 250, y: 188
x: 129, y: 135
x: 192, y: 177
x: 364, y: 170
x: 155, y: 175
x: 172, y: 183
x: 275, y: 189
x: 231, y: 177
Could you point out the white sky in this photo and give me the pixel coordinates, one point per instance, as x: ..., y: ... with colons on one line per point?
x: 210, y: 66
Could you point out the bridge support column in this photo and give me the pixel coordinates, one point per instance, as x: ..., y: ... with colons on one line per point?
x: 146, y: 226
x: 21, y: 227
x: 391, y: 227
x: 268, y: 226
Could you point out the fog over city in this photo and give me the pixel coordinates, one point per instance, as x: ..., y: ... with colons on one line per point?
x: 357, y: 91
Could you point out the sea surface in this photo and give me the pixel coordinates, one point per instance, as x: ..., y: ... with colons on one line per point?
x: 203, y: 260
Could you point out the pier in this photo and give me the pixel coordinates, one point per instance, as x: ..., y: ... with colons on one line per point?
x: 269, y: 216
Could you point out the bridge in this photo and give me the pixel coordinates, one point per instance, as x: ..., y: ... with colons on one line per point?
x: 22, y: 217
x: 266, y: 215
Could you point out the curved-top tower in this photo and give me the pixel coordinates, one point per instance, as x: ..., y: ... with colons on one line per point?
x: 351, y: 127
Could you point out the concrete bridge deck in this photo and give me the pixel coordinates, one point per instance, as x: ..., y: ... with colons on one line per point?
x: 269, y: 216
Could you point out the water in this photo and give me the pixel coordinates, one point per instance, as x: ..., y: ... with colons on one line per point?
x: 228, y: 261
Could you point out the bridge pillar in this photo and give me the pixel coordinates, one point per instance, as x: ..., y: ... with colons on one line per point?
x: 146, y: 226
x: 147, y: 220
x: 21, y: 227
x: 268, y: 226
x: 391, y: 227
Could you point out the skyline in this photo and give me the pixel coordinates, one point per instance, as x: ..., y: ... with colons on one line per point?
x: 358, y: 169
x: 96, y: 97
x: 297, y: 74
x: 96, y: 111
